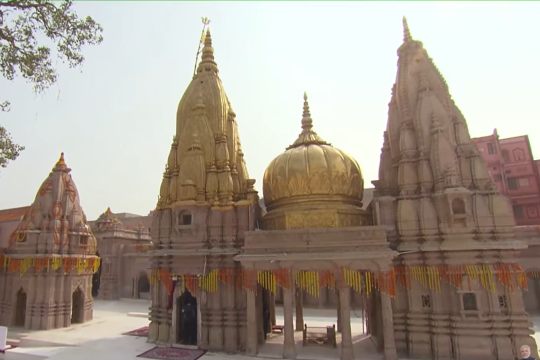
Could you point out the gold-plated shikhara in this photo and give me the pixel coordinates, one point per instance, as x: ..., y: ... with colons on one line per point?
x: 206, y: 162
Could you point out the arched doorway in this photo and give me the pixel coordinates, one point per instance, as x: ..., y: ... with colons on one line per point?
x: 77, y: 307
x: 20, y: 311
x: 186, y: 325
x: 143, y: 286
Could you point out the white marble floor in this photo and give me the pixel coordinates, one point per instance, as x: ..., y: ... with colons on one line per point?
x: 102, y: 339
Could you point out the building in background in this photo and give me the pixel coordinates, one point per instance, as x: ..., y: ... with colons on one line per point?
x: 512, y: 166
x: 123, y: 242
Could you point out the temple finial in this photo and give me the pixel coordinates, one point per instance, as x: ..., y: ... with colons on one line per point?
x: 406, y: 32
x: 61, y: 164
x: 207, y: 50
x: 307, y: 123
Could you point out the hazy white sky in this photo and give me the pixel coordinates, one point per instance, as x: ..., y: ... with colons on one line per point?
x: 115, y: 117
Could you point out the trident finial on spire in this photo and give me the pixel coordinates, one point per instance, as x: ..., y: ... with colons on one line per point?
x: 406, y: 32
x: 307, y: 123
x: 205, y: 22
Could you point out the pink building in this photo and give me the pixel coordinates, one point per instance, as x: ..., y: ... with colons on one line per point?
x: 511, y: 164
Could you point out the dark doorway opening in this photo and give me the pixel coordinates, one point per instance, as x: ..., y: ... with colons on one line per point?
x: 20, y: 311
x: 77, y: 307
x: 143, y: 286
x: 186, y: 309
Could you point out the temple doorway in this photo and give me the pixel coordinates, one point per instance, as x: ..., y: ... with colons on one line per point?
x: 77, y: 307
x: 186, y: 309
x: 20, y: 311
x: 143, y: 286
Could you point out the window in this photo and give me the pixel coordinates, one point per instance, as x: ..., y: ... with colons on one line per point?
x: 512, y: 183
x: 184, y: 218
x: 469, y: 301
x: 523, y: 182
x: 498, y: 177
x: 503, y: 304
x: 458, y: 206
x: 491, y: 148
x: 426, y: 301
x: 505, y: 155
x: 518, y: 211
x: 532, y: 211
x: 83, y: 240
x: 519, y: 154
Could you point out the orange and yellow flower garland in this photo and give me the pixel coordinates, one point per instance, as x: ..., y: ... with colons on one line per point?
x: 48, y: 263
x: 431, y: 277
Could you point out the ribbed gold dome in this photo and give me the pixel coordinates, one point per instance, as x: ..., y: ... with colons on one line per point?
x: 312, y: 179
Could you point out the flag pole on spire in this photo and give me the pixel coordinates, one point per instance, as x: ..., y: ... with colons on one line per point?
x: 205, y: 22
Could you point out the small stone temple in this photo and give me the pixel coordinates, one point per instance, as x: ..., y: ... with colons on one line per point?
x: 125, y: 260
x: 433, y: 256
x: 46, y: 272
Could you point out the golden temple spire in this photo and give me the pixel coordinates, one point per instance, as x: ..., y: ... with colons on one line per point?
x: 307, y: 123
x: 406, y: 32
x: 307, y: 136
x: 207, y: 59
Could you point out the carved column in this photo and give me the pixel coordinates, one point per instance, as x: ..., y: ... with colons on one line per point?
x: 289, y: 350
x: 388, y: 328
x: 299, y: 309
x: 272, y: 309
x: 345, y: 312
x: 338, y: 312
x: 251, y: 317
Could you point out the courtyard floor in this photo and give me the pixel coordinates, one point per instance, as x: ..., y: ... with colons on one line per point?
x: 102, y: 339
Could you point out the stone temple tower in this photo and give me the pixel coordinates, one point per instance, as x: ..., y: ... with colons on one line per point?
x: 206, y: 203
x: 441, y: 210
x: 46, y: 281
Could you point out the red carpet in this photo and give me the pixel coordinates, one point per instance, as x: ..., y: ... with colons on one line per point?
x: 170, y: 353
x: 9, y: 346
x: 143, y: 331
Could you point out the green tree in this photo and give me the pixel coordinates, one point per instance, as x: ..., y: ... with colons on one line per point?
x: 29, y: 29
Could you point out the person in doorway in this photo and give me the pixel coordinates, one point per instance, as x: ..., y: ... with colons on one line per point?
x: 189, y: 324
x: 525, y: 353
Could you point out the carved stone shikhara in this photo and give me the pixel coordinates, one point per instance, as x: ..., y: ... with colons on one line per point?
x: 47, y: 282
x: 440, y: 207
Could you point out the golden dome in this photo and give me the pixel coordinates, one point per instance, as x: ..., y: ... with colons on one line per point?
x: 310, y: 176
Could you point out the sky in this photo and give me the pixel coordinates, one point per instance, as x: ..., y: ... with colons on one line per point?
x: 114, y: 117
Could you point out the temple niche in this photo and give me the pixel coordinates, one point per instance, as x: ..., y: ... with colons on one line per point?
x: 445, y: 217
x: 46, y: 281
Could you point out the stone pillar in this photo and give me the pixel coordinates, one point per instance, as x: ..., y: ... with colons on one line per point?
x: 345, y: 314
x: 338, y: 312
x: 299, y: 309
x: 289, y: 350
x: 388, y: 328
x: 251, y: 317
x: 272, y: 309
